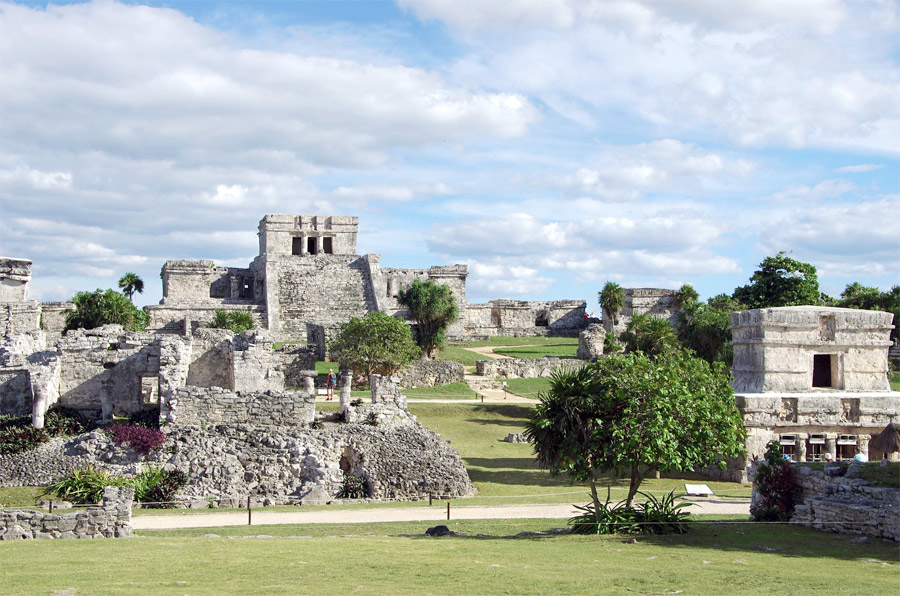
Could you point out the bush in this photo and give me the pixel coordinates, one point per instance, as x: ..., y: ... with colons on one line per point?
x: 147, y: 418
x: 654, y: 516
x: 141, y: 439
x: 84, y: 485
x: 237, y: 321
x: 17, y: 439
x: 775, y: 491
x: 97, y: 308
x: 354, y: 487
x: 156, y: 487
x: 64, y: 422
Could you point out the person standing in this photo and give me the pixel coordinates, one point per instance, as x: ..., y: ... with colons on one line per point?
x: 332, y: 381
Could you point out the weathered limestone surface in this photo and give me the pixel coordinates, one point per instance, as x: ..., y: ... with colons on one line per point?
x: 525, y: 368
x: 656, y: 302
x: 111, y: 520
x: 835, y: 500
x: 515, y: 318
x: 590, y: 342
x: 430, y: 373
x: 199, y: 406
x: 774, y: 349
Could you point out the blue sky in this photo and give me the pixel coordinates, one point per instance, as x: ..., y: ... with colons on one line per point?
x: 549, y: 144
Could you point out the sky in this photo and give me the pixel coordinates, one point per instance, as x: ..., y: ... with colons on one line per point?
x: 550, y: 145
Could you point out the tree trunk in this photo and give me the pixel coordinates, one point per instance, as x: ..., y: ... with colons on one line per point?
x: 635, y: 483
x: 595, y: 498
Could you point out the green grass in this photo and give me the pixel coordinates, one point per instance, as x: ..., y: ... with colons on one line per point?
x: 461, y: 355
x: 459, y: 390
x: 714, y: 558
x: 528, y: 387
x: 895, y: 381
x: 322, y: 367
x: 518, y: 341
x: 280, y: 344
x: 558, y: 350
x: 20, y: 496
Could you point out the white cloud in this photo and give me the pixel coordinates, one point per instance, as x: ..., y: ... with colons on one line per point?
x: 504, y: 279
x: 36, y: 179
x: 858, y: 169
x: 826, y: 189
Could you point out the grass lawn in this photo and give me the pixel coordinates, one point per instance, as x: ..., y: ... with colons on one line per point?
x: 459, y: 390
x: 458, y: 354
x: 714, y: 558
x: 528, y: 387
x: 560, y: 350
x: 518, y: 341
x: 322, y: 367
x: 895, y: 381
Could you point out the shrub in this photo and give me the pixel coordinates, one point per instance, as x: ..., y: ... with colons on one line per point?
x: 17, y: 439
x: 61, y: 422
x: 148, y: 418
x: 237, y: 321
x: 157, y: 487
x: 353, y: 487
x: 775, y: 491
x: 141, y: 439
x: 84, y: 485
x: 654, y: 516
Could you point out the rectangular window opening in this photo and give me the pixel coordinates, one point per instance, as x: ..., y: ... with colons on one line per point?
x: 788, y: 446
x: 311, y: 246
x: 822, y: 370
x: 327, y: 246
x: 297, y: 245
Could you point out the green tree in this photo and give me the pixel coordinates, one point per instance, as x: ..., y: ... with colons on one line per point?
x: 433, y: 308
x: 705, y: 330
x: 131, y: 283
x: 631, y: 414
x: 687, y: 295
x: 648, y: 334
x: 97, y: 308
x: 780, y: 281
x: 374, y: 344
x: 612, y: 300
x: 237, y: 321
x: 856, y: 295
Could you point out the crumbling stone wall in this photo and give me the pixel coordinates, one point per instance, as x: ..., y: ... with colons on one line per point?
x: 656, y: 302
x: 431, y: 373
x: 205, y: 406
x: 837, y: 500
x: 516, y: 318
x: 295, y: 360
x: 53, y: 318
x: 590, y: 342
x: 524, y: 368
x: 111, y: 520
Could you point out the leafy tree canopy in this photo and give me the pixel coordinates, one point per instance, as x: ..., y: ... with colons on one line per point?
x: 374, y: 344
x: 648, y: 334
x: 705, y: 329
x: 631, y: 414
x: 780, y: 281
x: 237, y: 321
x: 433, y: 307
x: 105, y: 307
x: 131, y: 283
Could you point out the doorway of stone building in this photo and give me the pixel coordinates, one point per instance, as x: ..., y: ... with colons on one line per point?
x: 822, y: 370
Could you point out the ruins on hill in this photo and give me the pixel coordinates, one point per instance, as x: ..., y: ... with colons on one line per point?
x: 655, y: 302
x: 815, y: 378
x: 307, y: 276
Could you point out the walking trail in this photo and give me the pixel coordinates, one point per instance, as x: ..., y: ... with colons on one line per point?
x: 405, y: 514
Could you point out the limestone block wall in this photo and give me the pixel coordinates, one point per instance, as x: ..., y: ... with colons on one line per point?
x: 779, y: 349
x: 515, y: 318
x: 837, y: 500
x: 295, y: 360
x: 211, y: 359
x: 53, y: 317
x: 15, y: 275
x: 278, y: 232
x: 656, y: 302
x: 19, y: 317
x: 256, y: 367
x: 430, y: 373
x: 111, y: 520
x: 388, y: 282
x: 386, y: 390
x: 524, y: 368
x: 207, y: 406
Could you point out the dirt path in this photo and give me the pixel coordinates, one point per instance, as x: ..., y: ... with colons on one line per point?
x: 489, y: 351
x: 435, y: 513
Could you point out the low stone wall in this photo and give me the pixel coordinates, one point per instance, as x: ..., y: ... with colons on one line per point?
x: 524, y: 368
x: 837, y: 500
x: 111, y: 520
x: 430, y: 373
x: 590, y: 342
x: 213, y: 405
x: 295, y: 360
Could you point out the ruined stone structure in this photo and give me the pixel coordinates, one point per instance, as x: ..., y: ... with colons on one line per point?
x: 525, y: 368
x: 112, y: 519
x: 591, y: 341
x: 837, y: 500
x: 814, y: 378
x: 656, y: 302
x: 308, y: 279
x: 18, y: 314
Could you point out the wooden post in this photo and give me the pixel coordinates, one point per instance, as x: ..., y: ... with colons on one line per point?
x: 429, y: 499
x: 448, y: 510
x: 51, y: 506
x: 249, y: 512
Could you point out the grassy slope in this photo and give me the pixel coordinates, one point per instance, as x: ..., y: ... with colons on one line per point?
x: 375, y: 560
x: 562, y: 350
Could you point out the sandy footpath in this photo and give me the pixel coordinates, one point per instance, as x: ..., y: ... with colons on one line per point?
x: 438, y: 512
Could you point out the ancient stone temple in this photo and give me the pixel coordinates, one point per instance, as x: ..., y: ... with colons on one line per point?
x: 655, y: 302
x: 308, y: 276
x: 815, y: 378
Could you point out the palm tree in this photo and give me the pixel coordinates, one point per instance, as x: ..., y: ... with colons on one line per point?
x: 612, y: 299
x: 131, y: 283
x: 648, y: 334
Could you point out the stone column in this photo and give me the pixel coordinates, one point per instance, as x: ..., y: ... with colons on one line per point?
x: 234, y: 286
x: 346, y: 386
x: 862, y: 441
x: 309, y: 381
x: 801, y: 447
x: 303, y: 244
x: 319, y: 245
x: 831, y: 445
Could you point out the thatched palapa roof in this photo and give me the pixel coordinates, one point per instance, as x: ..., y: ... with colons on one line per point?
x: 888, y: 440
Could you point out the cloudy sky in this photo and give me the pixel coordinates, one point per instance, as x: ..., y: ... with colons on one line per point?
x: 549, y: 144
